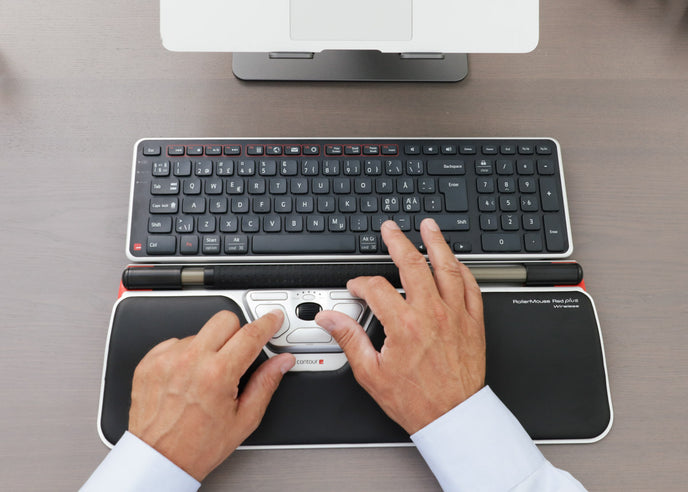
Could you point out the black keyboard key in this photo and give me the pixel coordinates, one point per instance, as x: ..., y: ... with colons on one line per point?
x: 412, y: 149
x: 161, y: 168
x: 272, y: 223
x: 446, y: 222
x: 328, y: 244
x: 160, y: 225
x: 254, y: 149
x: 554, y: 233
x: 525, y: 149
x: 543, y: 149
x: 232, y: 150
x: 188, y: 245
x: 211, y: 245
x: 368, y: 243
x: 455, y: 197
x: 446, y: 168
x: 161, y: 245
x: 164, y: 187
x: 483, y: 167
x: 152, y: 150
x: 334, y: 150
x: 495, y: 242
x: 533, y: 242
x: 431, y: 149
x: 311, y: 150
x: 467, y: 149
x: 389, y: 149
x: 236, y: 244
x: 174, y: 150
x: 181, y: 168
x: 194, y: 205
x: 163, y: 205
x: 545, y: 167
x: 548, y: 195
x: 273, y: 150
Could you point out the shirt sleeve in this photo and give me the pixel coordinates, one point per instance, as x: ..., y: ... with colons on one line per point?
x: 134, y: 466
x: 480, y: 446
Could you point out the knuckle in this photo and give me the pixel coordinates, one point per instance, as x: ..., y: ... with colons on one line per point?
x: 346, y: 336
x: 450, y: 268
x: 413, y: 258
x: 439, y: 311
x: 212, y: 371
x: 377, y: 283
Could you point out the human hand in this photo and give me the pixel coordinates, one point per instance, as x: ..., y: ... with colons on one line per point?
x: 433, y: 357
x: 185, y: 399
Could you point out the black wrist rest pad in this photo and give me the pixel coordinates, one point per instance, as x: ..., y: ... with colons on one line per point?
x: 545, y: 363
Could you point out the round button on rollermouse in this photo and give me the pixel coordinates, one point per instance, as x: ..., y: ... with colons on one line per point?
x: 307, y: 310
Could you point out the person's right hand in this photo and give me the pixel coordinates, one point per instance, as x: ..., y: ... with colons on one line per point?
x: 433, y: 357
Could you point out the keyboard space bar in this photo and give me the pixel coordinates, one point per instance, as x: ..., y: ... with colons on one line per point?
x: 303, y: 244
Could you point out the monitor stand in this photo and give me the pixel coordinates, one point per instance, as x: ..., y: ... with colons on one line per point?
x: 351, y: 66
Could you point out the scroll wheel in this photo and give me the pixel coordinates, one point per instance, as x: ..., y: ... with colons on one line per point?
x: 307, y: 311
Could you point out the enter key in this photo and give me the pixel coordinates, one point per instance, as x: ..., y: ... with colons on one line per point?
x: 454, y: 190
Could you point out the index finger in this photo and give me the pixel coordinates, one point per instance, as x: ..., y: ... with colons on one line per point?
x: 243, y: 348
x: 414, y: 271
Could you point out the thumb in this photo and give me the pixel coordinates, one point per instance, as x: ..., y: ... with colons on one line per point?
x: 260, y: 388
x: 352, y: 339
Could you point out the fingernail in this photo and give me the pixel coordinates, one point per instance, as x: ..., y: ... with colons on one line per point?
x: 431, y: 224
x: 287, y: 364
x: 278, y: 312
x: 391, y: 225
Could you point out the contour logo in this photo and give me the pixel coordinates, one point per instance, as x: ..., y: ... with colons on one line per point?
x: 310, y: 361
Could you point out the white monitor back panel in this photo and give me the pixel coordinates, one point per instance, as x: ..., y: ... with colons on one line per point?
x: 394, y: 26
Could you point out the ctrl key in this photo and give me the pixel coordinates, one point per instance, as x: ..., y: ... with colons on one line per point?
x: 161, y: 245
x: 236, y: 244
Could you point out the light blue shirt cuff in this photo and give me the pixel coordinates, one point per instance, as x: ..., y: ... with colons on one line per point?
x: 479, y: 445
x: 134, y: 466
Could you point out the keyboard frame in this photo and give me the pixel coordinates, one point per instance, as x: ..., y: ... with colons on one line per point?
x: 351, y: 257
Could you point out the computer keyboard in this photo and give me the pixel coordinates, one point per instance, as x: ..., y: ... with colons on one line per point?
x: 271, y: 199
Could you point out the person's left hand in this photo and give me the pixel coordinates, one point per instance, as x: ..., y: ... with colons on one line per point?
x: 185, y: 399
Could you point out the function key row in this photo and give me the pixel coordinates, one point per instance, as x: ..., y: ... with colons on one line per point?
x: 274, y: 150
x: 152, y: 150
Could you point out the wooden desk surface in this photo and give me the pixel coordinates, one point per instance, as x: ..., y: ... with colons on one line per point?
x: 81, y: 81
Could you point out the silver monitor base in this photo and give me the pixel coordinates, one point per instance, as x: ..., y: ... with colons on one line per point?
x: 351, y: 66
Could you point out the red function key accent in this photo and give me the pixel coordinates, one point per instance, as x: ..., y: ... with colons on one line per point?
x: 173, y: 150
x: 194, y: 150
x: 371, y: 149
x: 254, y: 149
x: 213, y: 150
x: 292, y: 150
x: 232, y: 149
x: 334, y: 150
x: 311, y: 150
x: 138, y: 247
x: 352, y: 149
x: 390, y: 149
x: 273, y: 149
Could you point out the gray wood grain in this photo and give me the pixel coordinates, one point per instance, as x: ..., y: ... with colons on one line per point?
x: 81, y: 81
